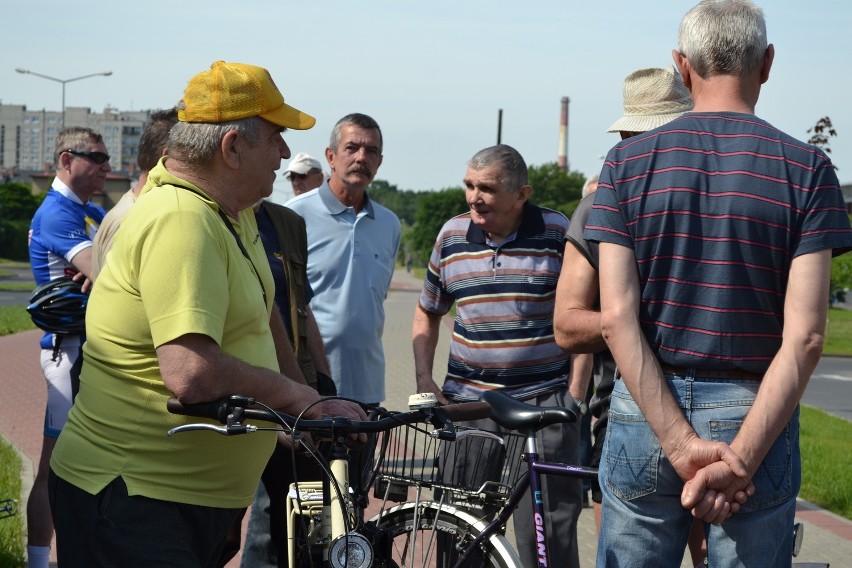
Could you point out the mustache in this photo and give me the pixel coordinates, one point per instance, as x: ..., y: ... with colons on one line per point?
x: 359, y: 169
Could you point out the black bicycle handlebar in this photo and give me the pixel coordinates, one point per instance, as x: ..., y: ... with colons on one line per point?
x: 238, y: 408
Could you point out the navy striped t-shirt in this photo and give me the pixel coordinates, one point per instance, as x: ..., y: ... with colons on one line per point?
x: 715, y: 207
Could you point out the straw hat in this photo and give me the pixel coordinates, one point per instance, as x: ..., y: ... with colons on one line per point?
x: 652, y: 97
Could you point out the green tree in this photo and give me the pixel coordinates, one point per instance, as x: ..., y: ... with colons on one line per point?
x: 556, y: 188
x: 821, y: 134
x: 17, y: 207
x: 402, y: 202
x: 433, y: 210
x: 17, y: 203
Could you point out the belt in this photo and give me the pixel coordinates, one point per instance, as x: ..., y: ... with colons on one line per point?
x: 712, y: 373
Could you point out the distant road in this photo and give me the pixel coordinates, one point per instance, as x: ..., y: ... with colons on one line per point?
x: 830, y: 387
x: 14, y: 298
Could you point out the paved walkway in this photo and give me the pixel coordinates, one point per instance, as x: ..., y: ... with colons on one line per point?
x: 828, y: 538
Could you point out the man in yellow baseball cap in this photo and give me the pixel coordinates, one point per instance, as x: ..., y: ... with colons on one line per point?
x: 183, y: 307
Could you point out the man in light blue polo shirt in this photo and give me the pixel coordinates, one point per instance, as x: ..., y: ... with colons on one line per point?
x: 352, y: 247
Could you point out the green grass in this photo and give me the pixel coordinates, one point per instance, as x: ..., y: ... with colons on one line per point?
x: 826, y: 443
x: 16, y: 286
x: 14, y: 319
x: 6, y: 263
x: 838, y: 339
x: 11, y: 528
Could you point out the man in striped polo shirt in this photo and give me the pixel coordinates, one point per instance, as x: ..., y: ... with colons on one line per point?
x: 499, y: 264
x: 716, y: 235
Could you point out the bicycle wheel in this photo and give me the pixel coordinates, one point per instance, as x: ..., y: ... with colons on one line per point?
x: 439, y: 534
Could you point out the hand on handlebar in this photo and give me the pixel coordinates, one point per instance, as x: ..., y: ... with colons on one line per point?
x: 335, y: 407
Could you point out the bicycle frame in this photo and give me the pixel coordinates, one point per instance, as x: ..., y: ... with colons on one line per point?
x: 531, y: 481
x: 337, y: 538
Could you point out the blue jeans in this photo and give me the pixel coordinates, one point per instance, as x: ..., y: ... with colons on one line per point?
x: 643, y: 522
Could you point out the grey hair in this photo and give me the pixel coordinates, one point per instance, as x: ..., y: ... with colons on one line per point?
x: 723, y: 37
x: 587, y: 187
x: 356, y: 119
x: 75, y: 138
x: 196, y: 142
x: 510, y: 160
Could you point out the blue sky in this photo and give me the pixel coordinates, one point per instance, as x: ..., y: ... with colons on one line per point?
x: 433, y: 74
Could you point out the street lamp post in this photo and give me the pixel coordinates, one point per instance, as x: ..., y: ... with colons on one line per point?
x: 63, y: 81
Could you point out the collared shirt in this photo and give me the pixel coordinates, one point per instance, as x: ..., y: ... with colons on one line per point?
x: 504, y: 297
x: 175, y: 269
x: 351, y: 257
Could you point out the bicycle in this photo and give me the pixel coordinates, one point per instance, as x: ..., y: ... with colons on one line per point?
x: 405, y: 535
x: 335, y: 536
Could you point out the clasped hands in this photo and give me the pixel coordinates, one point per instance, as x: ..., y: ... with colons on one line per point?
x: 717, y: 482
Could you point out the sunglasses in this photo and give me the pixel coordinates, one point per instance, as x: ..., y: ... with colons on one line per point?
x: 96, y: 157
x: 297, y: 176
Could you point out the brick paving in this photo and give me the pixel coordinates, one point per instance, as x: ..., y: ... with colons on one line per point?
x: 828, y: 538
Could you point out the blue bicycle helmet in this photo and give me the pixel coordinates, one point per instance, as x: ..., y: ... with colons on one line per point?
x: 59, y: 307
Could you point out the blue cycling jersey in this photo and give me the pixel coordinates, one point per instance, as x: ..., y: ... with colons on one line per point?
x: 61, y: 228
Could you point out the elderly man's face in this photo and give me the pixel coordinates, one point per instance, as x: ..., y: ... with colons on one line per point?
x: 357, y: 158
x: 264, y: 159
x: 492, y: 206
x: 306, y: 182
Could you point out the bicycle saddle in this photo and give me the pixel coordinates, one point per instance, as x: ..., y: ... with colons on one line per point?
x: 513, y: 414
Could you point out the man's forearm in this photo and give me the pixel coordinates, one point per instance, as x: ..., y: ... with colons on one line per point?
x: 425, y: 331
x: 805, y: 313
x: 195, y: 369
x: 581, y: 375
x: 637, y: 365
x: 576, y: 321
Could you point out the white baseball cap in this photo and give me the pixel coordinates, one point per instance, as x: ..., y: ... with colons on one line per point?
x: 302, y: 163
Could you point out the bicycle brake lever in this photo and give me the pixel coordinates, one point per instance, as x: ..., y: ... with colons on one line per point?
x: 460, y: 434
x: 230, y: 430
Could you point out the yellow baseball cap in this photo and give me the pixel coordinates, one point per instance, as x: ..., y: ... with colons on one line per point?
x: 233, y: 91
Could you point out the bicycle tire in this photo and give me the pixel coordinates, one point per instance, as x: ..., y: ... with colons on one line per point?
x: 457, y: 524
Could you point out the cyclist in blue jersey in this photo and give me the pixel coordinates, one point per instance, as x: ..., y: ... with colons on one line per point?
x: 60, y: 243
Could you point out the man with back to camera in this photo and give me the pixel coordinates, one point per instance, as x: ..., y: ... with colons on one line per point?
x: 60, y: 243
x: 184, y: 309
x: 499, y: 264
x: 152, y: 144
x: 713, y: 304
x: 305, y: 173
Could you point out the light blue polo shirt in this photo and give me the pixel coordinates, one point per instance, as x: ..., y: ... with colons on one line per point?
x: 351, y: 257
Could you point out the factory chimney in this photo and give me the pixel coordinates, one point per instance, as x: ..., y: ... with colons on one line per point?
x: 562, y: 158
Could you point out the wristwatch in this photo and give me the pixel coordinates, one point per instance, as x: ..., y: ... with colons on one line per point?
x: 581, y: 404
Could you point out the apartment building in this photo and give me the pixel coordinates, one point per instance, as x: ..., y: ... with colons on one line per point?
x: 27, y: 137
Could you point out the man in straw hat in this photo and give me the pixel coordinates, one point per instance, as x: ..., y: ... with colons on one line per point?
x: 182, y: 309
x: 716, y: 234
x: 652, y: 97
